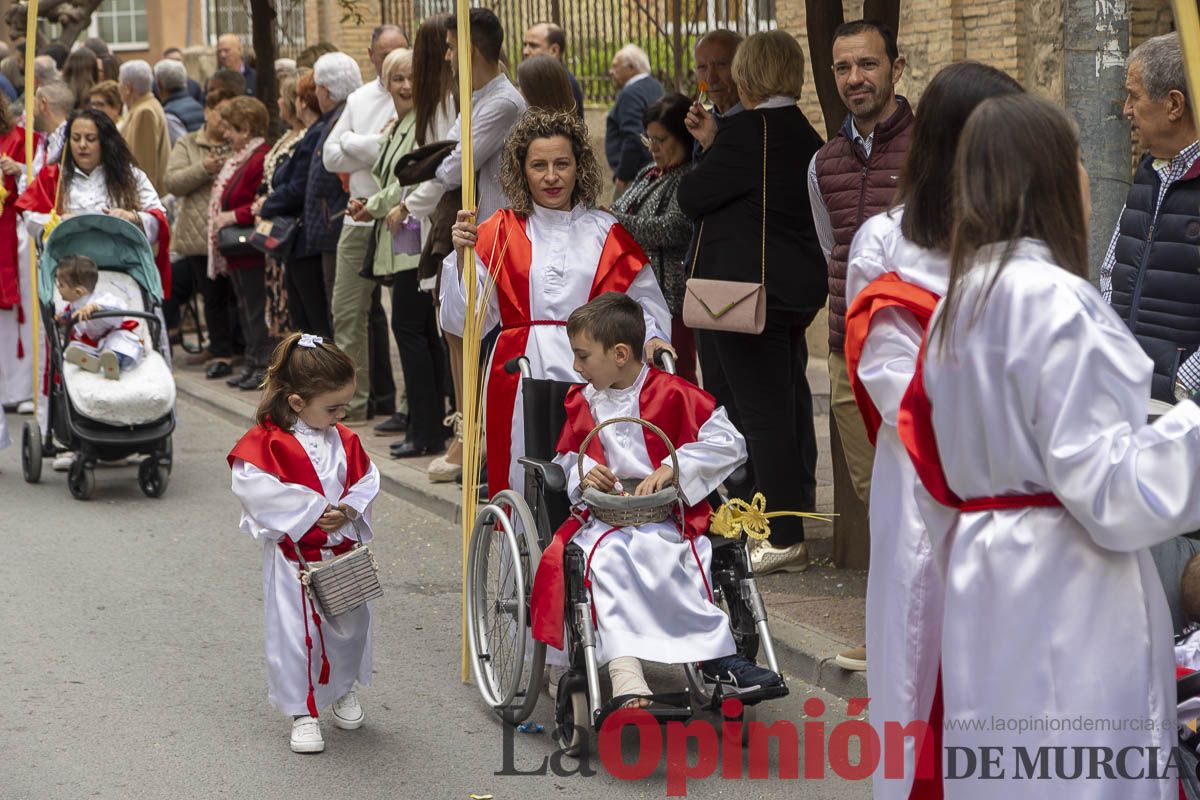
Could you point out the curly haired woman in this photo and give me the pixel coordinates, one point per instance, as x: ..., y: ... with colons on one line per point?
x: 548, y: 253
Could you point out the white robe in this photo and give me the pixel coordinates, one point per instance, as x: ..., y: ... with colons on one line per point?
x: 272, y: 509
x: 648, y: 591
x: 107, y: 331
x: 16, y: 336
x: 1056, y: 613
x: 565, y: 251
x: 905, y: 584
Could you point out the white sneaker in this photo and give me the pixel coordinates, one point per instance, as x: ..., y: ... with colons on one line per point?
x: 74, y: 354
x: 766, y: 559
x: 63, y: 462
x: 306, y: 735
x: 25, y: 407
x: 347, y: 713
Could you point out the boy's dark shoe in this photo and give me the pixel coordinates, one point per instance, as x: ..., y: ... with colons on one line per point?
x: 737, y: 674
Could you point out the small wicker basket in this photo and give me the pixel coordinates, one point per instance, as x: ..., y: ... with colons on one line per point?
x: 628, y: 510
x: 344, y: 583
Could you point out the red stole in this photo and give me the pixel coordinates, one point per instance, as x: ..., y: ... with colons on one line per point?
x: 505, y: 250
x: 275, y: 451
x: 39, y: 197
x: 668, y: 401
x: 886, y: 291
x: 12, y: 145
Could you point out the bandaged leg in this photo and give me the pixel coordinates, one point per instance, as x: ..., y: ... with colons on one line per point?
x: 627, y: 678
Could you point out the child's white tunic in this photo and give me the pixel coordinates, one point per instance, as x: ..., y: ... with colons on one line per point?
x: 272, y: 509
x: 648, y: 591
x: 107, y: 331
x: 1057, y: 613
x: 904, y: 585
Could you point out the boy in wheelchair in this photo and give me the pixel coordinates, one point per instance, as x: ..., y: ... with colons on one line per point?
x: 649, y: 584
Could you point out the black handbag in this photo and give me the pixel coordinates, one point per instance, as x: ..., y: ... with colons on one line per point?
x: 233, y: 241
x: 276, y: 237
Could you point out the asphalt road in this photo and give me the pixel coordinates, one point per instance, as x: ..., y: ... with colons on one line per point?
x: 132, y: 667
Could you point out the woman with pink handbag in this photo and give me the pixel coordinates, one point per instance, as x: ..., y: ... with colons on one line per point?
x: 757, y: 280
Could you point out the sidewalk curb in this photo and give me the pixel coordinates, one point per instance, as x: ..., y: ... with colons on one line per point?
x: 804, y: 652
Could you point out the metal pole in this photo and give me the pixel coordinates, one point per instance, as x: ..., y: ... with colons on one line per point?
x: 1096, y: 40
x: 1187, y: 22
x: 35, y: 313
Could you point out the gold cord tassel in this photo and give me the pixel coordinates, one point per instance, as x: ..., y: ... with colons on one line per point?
x: 738, y: 517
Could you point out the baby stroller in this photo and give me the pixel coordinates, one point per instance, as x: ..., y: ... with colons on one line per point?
x: 509, y: 535
x: 87, y: 414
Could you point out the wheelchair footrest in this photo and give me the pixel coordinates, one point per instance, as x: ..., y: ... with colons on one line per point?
x: 750, y: 698
x: 665, y: 707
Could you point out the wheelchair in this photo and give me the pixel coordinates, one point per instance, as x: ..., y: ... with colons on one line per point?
x: 511, y: 531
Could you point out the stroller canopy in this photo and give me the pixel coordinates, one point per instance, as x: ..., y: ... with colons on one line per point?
x: 111, y: 242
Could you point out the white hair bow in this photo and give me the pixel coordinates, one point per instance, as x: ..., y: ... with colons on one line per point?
x: 308, y: 340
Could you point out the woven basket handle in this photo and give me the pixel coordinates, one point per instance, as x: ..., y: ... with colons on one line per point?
x: 650, y: 425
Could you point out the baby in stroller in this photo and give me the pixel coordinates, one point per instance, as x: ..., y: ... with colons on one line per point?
x: 108, y: 345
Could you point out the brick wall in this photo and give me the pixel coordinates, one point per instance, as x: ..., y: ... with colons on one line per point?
x: 323, y: 20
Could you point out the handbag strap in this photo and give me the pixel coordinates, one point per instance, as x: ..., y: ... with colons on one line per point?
x: 763, y: 237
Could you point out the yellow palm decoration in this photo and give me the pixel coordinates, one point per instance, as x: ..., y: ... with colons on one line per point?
x: 737, y: 516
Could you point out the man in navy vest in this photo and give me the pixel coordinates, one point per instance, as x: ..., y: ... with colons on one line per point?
x: 1151, y: 274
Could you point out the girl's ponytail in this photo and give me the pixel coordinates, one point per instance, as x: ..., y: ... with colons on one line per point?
x: 303, y: 365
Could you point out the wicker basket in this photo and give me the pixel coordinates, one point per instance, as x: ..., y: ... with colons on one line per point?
x: 344, y: 583
x: 628, y: 510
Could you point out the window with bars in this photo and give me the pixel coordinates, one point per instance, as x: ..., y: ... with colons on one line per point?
x: 121, y: 23
x: 233, y: 16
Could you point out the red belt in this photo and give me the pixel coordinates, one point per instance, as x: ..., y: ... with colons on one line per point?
x: 1010, y: 501
x: 529, y: 323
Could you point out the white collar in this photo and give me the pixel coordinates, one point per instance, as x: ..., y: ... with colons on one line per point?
x: 635, y: 79
x: 777, y: 101
x: 634, y: 388
x: 552, y: 216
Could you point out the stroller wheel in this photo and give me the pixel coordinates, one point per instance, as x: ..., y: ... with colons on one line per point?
x: 81, y: 480
x: 31, y: 452
x: 153, y: 477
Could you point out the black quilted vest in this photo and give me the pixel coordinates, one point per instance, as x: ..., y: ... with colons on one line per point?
x: 1156, y: 277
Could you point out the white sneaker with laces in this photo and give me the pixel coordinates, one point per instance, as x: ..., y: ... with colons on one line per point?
x: 25, y: 407
x: 63, y: 462
x: 306, y: 735
x: 347, y: 713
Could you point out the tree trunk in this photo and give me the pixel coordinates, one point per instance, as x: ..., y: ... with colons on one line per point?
x: 1096, y: 43
x: 823, y: 18
x: 885, y: 11
x: 262, y: 26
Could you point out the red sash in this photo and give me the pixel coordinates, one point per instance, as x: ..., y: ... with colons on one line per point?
x: 505, y: 250
x: 886, y: 291
x: 915, y: 426
x: 278, y: 453
x: 126, y: 325
x: 679, y: 408
x: 13, y: 146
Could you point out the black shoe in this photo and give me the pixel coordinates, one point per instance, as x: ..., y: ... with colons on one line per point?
x: 737, y: 674
x: 218, y: 369
x: 396, y: 423
x: 254, y: 380
x: 407, y: 449
x: 244, y: 375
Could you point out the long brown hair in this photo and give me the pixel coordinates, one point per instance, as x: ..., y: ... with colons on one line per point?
x: 543, y: 82
x: 119, y: 177
x: 928, y: 177
x: 433, y: 80
x: 1016, y: 176
x: 81, y: 73
x: 306, y: 371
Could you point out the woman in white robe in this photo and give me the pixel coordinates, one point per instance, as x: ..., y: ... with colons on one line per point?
x: 1056, y: 631
x: 904, y: 590
x: 546, y: 256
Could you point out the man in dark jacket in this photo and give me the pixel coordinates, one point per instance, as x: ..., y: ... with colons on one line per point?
x: 1151, y: 274
x: 851, y: 178
x: 229, y: 56
x: 184, y: 114
x: 623, y: 147
x: 546, y: 38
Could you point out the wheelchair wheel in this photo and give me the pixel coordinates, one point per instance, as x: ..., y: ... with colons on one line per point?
x: 571, y: 721
x: 501, y: 563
